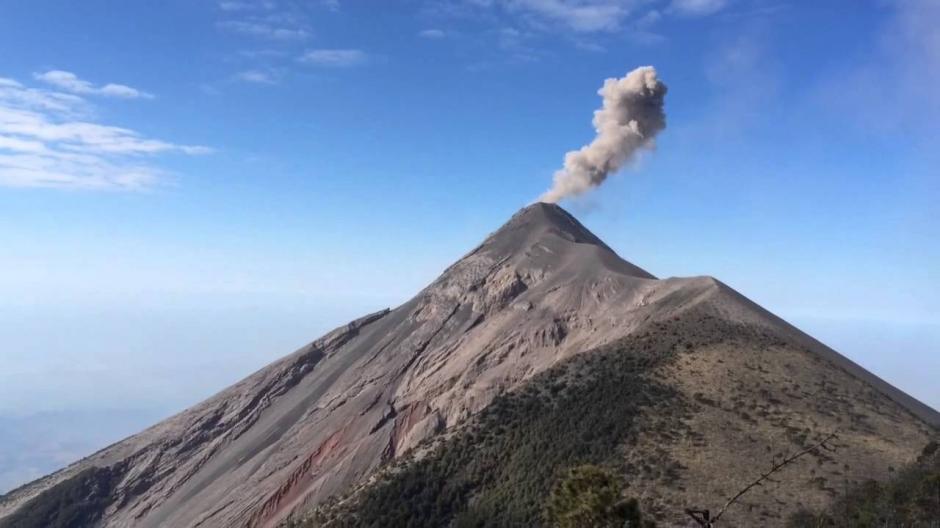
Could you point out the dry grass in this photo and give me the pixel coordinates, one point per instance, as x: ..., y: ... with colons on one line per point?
x: 761, y: 397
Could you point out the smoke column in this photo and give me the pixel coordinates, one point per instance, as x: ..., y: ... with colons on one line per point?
x: 629, y: 119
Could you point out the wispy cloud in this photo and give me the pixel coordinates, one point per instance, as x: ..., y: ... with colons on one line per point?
x: 745, y: 76
x: 236, y: 5
x: 267, y: 19
x: 897, y: 85
x: 432, y: 34
x: 581, y: 16
x: 48, y: 139
x: 262, y: 54
x: 286, y: 25
x: 70, y: 82
x: 578, y: 20
x: 14, y: 93
x: 525, y: 31
x: 334, y: 57
x: 264, y: 30
x: 643, y: 29
x: 257, y: 77
x: 698, y: 7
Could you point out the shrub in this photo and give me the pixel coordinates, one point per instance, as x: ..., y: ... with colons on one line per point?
x: 589, y: 496
x: 910, y: 499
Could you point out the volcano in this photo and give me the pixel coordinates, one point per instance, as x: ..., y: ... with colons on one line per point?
x: 542, y: 348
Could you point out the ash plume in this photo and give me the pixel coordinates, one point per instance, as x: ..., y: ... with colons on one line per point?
x: 629, y: 119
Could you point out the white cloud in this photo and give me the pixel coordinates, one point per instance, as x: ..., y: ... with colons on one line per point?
x: 21, y: 145
x: 256, y: 77
x: 70, y: 82
x: 698, y: 7
x: 74, y: 172
x: 48, y: 139
x: 334, y: 57
x: 15, y: 93
x: 123, y: 91
x: 261, y: 29
x: 432, y: 34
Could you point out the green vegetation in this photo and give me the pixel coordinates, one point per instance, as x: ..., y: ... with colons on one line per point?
x: 910, y: 500
x: 74, y: 502
x: 591, y: 497
x: 499, y: 470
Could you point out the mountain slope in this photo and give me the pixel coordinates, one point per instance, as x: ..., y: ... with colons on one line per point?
x: 538, y: 292
x: 687, y: 410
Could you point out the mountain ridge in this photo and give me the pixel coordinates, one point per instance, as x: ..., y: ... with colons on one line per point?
x: 538, y: 291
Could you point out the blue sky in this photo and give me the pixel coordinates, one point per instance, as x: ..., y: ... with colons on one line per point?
x: 192, y: 188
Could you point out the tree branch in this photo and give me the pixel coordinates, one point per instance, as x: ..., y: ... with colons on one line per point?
x: 774, y: 467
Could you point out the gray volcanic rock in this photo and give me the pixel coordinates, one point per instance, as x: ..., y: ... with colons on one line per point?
x: 536, y: 292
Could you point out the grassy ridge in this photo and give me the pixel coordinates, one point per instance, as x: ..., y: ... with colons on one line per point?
x: 499, y: 470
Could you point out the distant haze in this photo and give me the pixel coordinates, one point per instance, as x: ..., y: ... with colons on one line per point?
x: 628, y: 121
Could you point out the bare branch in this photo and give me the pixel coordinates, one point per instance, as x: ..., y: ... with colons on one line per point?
x: 774, y: 467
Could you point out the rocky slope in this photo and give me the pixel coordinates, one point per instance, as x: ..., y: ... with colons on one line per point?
x: 540, y: 292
